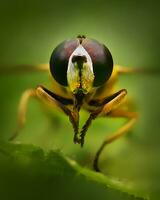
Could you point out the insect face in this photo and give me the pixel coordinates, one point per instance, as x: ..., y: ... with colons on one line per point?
x: 81, y: 64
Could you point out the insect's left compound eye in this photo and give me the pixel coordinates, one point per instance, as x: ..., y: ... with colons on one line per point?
x: 101, y: 59
x: 59, y: 60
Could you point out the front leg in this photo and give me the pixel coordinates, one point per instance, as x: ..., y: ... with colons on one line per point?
x: 43, y: 94
x: 62, y: 103
x: 108, y: 104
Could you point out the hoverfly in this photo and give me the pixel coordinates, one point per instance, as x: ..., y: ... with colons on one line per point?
x: 82, y: 69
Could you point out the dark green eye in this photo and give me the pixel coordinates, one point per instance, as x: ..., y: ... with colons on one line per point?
x: 59, y: 60
x: 101, y: 59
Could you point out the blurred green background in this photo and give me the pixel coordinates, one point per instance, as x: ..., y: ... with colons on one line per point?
x: 29, y: 31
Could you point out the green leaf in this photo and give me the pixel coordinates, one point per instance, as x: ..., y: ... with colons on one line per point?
x: 26, y: 172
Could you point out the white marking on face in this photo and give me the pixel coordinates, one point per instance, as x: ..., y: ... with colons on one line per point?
x: 87, y: 76
x: 80, y: 51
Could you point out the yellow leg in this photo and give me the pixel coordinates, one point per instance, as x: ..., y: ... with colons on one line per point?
x: 15, y: 69
x: 22, y: 108
x: 130, y: 70
x: 104, y: 107
x: 23, y: 105
x: 132, y: 118
x: 53, y: 99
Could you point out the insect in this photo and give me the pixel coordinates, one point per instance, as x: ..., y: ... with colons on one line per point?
x: 84, y: 76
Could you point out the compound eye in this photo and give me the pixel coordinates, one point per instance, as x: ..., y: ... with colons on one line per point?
x: 101, y: 59
x: 59, y: 60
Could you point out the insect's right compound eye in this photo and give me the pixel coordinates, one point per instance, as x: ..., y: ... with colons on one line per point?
x: 59, y: 60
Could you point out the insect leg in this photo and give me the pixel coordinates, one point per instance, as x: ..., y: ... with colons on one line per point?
x: 132, y: 118
x: 61, y: 102
x: 108, y: 104
x: 22, y: 108
x: 130, y: 70
x: 16, y: 69
x: 42, y: 94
